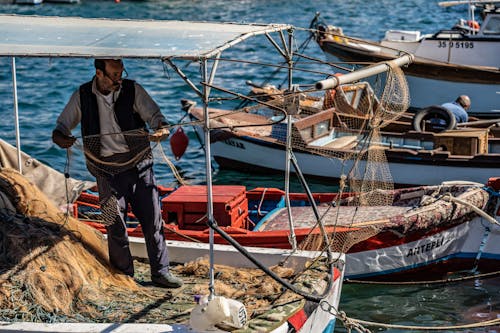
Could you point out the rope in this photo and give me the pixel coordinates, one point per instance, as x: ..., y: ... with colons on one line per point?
x: 480, y: 212
x: 172, y: 230
x: 176, y: 173
x: 357, y: 324
x: 442, y: 281
x: 261, y: 201
x: 487, y: 323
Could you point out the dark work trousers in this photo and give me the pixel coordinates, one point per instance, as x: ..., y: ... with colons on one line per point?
x: 139, y: 190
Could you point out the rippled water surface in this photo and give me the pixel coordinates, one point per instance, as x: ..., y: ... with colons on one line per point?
x: 44, y: 85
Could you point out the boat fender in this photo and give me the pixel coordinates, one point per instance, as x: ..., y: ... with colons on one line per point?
x: 179, y: 142
x: 218, y: 310
x: 434, y: 112
x: 473, y: 24
x: 494, y: 183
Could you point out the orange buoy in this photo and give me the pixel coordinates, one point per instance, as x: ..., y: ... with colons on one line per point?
x: 178, y: 143
x: 473, y: 24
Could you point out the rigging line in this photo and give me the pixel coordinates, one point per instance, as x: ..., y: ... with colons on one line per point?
x: 333, y: 64
x: 359, y: 40
x: 66, y: 184
x: 479, y: 211
x: 271, y: 106
x: 231, y: 127
x: 295, y: 60
x: 441, y: 281
x: 352, y: 323
x: 300, y: 69
x: 134, y: 132
x: 486, y: 323
x: 180, y: 234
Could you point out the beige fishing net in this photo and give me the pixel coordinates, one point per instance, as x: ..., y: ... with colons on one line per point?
x: 342, y: 125
x: 103, y: 164
x: 50, y: 262
x: 54, y: 268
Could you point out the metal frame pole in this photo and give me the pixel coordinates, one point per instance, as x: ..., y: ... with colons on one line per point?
x: 288, y: 150
x: 16, y: 115
x: 208, y: 167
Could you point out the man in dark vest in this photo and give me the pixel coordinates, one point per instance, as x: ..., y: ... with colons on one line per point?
x: 113, y: 113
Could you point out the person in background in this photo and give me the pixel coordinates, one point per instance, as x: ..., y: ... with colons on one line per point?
x: 107, y: 104
x: 459, y: 108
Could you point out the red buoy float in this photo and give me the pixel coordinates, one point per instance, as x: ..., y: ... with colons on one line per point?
x: 179, y: 142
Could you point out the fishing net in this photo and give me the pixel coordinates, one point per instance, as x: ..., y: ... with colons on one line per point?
x: 54, y: 268
x: 255, y: 288
x: 107, y: 155
x: 51, y: 263
x: 342, y: 125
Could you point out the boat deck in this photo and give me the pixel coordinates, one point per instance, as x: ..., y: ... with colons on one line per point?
x: 303, y: 217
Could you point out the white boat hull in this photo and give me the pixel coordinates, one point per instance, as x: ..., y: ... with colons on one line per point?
x: 424, y: 91
x: 469, y: 241
x: 267, y: 156
x: 485, y: 98
x: 470, y: 52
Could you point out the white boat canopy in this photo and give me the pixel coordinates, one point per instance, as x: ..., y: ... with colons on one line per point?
x: 49, y: 36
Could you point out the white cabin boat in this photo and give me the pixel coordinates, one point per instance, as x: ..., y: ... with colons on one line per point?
x: 28, y: 2
x: 448, y: 63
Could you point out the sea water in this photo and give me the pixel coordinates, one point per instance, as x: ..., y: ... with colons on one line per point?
x: 44, y: 86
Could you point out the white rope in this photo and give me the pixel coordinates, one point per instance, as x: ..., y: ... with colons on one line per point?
x: 480, y: 212
x: 172, y: 166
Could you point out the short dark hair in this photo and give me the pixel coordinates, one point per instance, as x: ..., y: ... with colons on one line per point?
x: 101, y: 63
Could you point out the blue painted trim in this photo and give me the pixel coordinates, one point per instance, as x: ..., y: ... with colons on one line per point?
x: 279, y: 205
x: 330, y: 327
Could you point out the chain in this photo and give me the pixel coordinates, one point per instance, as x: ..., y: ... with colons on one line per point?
x: 349, y: 323
x: 356, y: 324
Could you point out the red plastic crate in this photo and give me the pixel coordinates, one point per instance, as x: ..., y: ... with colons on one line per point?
x: 187, y: 206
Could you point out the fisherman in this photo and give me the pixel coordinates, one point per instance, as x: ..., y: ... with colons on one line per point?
x: 459, y: 108
x: 106, y: 107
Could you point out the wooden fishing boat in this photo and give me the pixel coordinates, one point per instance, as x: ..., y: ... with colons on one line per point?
x: 448, y: 63
x: 424, y: 234
x: 327, y: 146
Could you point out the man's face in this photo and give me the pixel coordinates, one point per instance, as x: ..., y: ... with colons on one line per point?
x: 111, y: 78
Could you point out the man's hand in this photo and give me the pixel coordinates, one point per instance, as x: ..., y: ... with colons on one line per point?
x: 159, y: 135
x: 62, y: 140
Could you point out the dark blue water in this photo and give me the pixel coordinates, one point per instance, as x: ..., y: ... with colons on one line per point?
x: 44, y: 85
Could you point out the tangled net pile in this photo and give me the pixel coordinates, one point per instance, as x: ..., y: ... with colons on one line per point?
x: 51, y: 265
x: 54, y: 268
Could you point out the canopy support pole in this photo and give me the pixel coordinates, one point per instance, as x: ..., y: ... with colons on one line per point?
x: 208, y: 170
x: 184, y: 77
x: 288, y: 151
x: 16, y: 115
